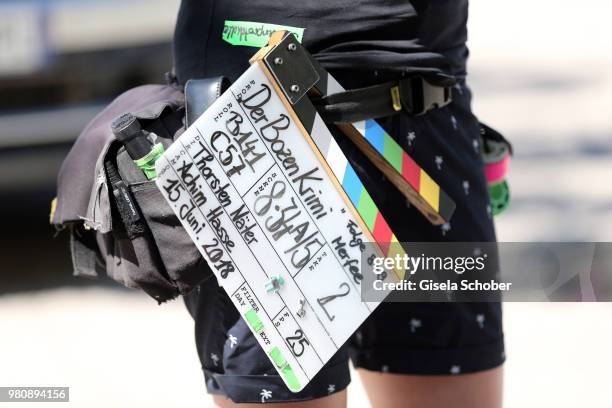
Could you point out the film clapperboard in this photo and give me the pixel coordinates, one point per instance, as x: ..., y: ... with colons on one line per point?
x: 279, y: 214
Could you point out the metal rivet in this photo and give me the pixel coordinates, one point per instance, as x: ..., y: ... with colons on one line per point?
x: 302, y: 310
x: 292, y: 47
x: 295, y: 88
x: 278, y: 61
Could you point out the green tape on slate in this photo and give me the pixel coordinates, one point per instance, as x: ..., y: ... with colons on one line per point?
x: 253, y: 34
x: 291, y: 378
x: 254, y: 321
x: 277, y: 357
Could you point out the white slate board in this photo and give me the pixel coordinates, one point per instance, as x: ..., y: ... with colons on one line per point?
x: 257, y: 202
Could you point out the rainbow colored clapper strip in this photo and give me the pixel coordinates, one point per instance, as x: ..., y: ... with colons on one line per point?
x: 361, y: 199
x: 351, y: 184
x: 416, y: 177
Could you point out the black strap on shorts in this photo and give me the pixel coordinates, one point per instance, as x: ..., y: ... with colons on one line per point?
x: 413, y: 96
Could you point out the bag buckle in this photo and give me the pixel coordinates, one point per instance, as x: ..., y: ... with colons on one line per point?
x: 418, y: 96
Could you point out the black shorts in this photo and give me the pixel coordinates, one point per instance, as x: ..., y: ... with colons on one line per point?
x: 400, y: 338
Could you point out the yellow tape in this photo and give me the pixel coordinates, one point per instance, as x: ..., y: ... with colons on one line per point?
x: 430, y: 191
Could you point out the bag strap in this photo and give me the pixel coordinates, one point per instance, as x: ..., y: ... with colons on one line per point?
x: 125, y: 204
x: 200, y: 94
x: 413, y: 96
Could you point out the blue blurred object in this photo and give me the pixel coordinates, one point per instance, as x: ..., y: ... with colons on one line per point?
x: 61, y: 61
x: 23, y: 46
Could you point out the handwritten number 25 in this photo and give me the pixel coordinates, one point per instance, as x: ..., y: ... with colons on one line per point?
x: 297, y: 343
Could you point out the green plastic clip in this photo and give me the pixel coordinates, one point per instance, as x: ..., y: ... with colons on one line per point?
x: 274, y: 284
x: 254, y: 321
x: 285, y: 368
x: 499, y: 195
x: 147, y: 163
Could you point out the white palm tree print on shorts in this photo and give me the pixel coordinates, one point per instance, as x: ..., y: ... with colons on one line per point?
x: 411, y: 138
x: 454, y: 122
x: 459, y: 89
x: 415, y: 324
x: 439, y: 162
x: 233, y: 340
x: 445, y: 228
x: 214, y: 358
x: 480, y: 319
x: 476, y: 145
x: 265, y: 395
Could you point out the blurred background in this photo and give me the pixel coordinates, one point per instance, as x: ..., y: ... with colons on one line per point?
x: 541, y: 73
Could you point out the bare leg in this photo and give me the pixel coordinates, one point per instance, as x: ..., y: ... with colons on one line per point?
x: 337, y: 400
x: 479, y: 390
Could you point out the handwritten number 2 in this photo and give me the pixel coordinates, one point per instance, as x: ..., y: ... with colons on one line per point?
x: 325, y: 300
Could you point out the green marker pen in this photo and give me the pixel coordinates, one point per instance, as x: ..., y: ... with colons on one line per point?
x: 128, y: 131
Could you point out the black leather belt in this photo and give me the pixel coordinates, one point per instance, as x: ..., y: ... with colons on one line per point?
x: 413, y: 96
